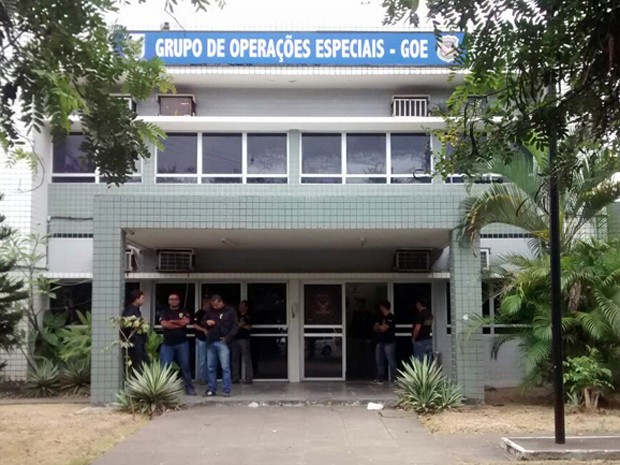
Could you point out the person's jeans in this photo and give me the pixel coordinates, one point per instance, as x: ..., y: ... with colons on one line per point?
x: 241, y: 356
x: 178, y: 353
x: 218, y: 351
x: 201, y: 360
x: 385, y: 350
x: 422, y: 348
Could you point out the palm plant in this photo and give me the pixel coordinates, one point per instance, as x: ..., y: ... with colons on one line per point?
x: 522, y: 201
x: 590, y: 268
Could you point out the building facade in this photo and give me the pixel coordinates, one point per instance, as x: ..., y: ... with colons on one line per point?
x: 296, y: 176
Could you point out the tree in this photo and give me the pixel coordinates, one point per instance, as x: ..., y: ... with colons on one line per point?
x: 521, y: 200
x: 11, y: 292
x: 590, y: 306
x: 534, y: 69
x: 59, y: 58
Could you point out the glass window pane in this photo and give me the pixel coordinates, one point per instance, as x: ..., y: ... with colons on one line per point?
x: 418, y: 179
x: 366, y: 180
x: 221, y: 154
x: 405, y: 296
x: 411, y: 153
x: 68, y: 158
x: 73, y: 179
x: 321, y: 180
x: 366, y: 154
x: 221, y: 180
x: 230, y: 292
x: 323, y: 357
x: 267, y: 180
x: 269, y: 357
x: 321, y: 154
x: 268, y: 303
x: 266, y: 154
x: 71, y: 298
x: 323, y: 304
x: 187, y: 180
x: 179, y: 154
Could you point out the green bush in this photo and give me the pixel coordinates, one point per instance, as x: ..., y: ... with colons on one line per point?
x: 76, y: 339
x: 152, y: 391
x: 422, y: 386
x: 586, y: 379
x: 75, y: 378
x: 153, y: 344
x: 43, y: 379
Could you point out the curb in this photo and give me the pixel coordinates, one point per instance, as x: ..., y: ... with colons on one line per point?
x: 581, y: 449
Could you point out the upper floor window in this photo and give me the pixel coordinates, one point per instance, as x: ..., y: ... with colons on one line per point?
x: 366, y: 158
x: 70, y: 165
x: 224, y: 158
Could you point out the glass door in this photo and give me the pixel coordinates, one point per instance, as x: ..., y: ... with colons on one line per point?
x: 269, y: 339
x: 323, y: 331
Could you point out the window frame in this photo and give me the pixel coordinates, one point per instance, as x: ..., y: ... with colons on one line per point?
x: 95, y: 175
x: 244, y: 177
x: 343, y: 176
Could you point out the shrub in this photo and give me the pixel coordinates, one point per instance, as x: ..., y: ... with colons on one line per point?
x: 422, y: 386
x: 152, y: 391
x: 586, y: 379
x: 75, y: 377
x: 43, y: 379
x: 153, y: 344
x: 77, y: 339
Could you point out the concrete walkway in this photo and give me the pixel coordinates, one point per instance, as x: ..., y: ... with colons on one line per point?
x: 228, y: 434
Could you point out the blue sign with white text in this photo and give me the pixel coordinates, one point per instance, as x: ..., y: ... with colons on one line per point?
x: 181, y: 48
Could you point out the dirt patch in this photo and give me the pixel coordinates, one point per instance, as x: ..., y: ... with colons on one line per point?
x: 511, y: 411
x: 61, y: 434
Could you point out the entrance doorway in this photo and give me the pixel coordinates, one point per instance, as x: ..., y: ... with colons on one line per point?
x: 362, y: 301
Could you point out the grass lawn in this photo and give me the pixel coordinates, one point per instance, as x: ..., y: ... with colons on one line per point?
x: 61, y: 434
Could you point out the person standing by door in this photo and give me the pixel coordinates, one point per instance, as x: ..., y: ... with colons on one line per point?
x: 240, y: 353
x: 137, y: 352
x: 201, y: 339
x: 422, y: 331
x: 174, y: 321
x: 385, y: 338
x: 222, y: 325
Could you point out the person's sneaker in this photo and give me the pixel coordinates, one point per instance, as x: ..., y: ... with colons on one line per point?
x: 226, y: 394
x: 209, y: 393
x: 190, y: 392
x: 376, y: 382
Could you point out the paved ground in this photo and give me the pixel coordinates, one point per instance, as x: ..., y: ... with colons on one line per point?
x: 217, y: 434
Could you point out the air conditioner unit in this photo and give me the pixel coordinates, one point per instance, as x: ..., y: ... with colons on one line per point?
x: 485, y: 259
x: 131, y: 264
x: 179, y: 260
x: 177, y: 104
x: 131, y: 103
x: 411, y: 260
x: 410, y: 105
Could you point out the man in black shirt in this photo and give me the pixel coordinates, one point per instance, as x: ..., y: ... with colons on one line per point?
x: 137, y: 352
x: 385, y: 337
x: 422, y: 331
x: 174, y: 321
x: 240, y: 350
x: 201, y: 339
x: 221, y: 322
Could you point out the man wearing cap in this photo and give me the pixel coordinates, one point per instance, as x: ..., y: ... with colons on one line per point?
x: 222, y: 324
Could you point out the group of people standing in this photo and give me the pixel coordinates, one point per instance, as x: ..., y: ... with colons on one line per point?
x: 384, y: 329
x: 222, y: 336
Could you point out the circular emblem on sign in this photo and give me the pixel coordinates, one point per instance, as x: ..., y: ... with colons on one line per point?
x: 447, y: 48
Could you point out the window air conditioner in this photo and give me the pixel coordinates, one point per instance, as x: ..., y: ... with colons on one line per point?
x: 181, y: 260
x: 410, y: 105
x: 131, y: 103
x: 485, y: 259
x: 410, y: 260
x: 177, y: 104
x: 131, y: 264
